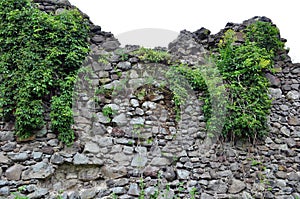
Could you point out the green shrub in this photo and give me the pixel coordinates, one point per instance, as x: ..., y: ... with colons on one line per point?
x: 265, y: 35
x: 38, y: 54
x: 151, y: 55
x: 242, y: 70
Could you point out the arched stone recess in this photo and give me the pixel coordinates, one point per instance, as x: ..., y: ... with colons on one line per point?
x: 129, y: 120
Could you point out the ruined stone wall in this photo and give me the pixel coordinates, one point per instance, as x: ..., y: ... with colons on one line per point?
x: 141, y: 138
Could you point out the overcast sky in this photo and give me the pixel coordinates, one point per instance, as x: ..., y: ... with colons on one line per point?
x: 122, y: 16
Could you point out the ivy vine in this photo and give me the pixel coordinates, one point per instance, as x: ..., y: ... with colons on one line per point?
x: 40, y: 55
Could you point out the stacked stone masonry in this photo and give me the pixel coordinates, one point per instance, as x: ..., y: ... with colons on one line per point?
x: 141, y: 138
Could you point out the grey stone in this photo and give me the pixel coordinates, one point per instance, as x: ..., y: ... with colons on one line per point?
x: 120, y: 120
x: 14, y: 172
x: 139, y: 111
x: 293, y: 176
x: 88, y: 193
x: 134, y: 102
x: 42, y: 132
x: 281, y: 183
x: 39, y: 193
x: 89, y: 173
x: 7, y: 135
x: 4, y: 159
x: 57, y: 159
x: 281, y: 174
x: 236, y: 186
x: 114, y: 172
x: 37, y: 155
x: 98, y: 129
x: 285, y: 131
x: 183, y: 174
x: 275, y: 81
x: 137, y: 121
x: 294, y: 121
x: 134, y: 190
x: 18, y: 157
x: 169, y: 174
x: 98, y: 39
x: 80, y: 159
x: 149, y: 105
x: 41, y: 170
x: 74, y: 195
x: 110, y: 45
x: 139, y: 161
x: 53, y: 142
x: 205, y: 175
x: 91, y: 147
x: 157, y: 161
x: 121, y: 157
x: 276, y: 93
x: 4, y: 191
x: 246, y: 195
x: 151, y: 171
x: 206, y: 196
x: 124, y: 65
x: 104, y: 141
x: 119, y: 190
x: 103, y: 119
x: 10, y: 146
x: 217, y: 186
x: 293, y: 95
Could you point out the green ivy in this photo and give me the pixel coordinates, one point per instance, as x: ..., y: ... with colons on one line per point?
x: 242, y: 68
x: 39, y: 58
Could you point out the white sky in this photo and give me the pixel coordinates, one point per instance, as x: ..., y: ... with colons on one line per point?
x: 120, y: 16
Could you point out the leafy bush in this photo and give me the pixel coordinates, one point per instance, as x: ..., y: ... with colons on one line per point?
x: 242, y: 68
x: 156, y: 56
x: 265, y: 35
x: 39, y: 53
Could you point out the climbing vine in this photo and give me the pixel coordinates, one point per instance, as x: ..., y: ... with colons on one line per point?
x: 242, y: 68
x: 39, y: 58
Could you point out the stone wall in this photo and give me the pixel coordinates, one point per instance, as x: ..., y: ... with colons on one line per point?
x: 141, y: 138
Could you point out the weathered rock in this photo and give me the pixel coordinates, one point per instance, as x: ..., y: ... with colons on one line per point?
x: 157, y: 161
x: 88, y: 193
x: 57, y: 159
x: 91, y: 147
x: 183, y: 174
x: 4, y: 159
x: 139, y: 161
x: 276, y: 93
x: 293, y: 95
x: 4, y: 191
x: 236, y: 186
x: 80, y: 159
x: 114, y: 172
x: 89, y: 173
x: 41, y: 170
x: 39, y: 193
x: 18, y: 157
x: 14, y: 172
x: 134, y: 190
x: 120, y: 120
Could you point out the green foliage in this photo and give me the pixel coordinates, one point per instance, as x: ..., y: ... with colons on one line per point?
x: 240, y: 70
x: 150, y: 55
x: 107, y: 111
x: 265, y: 35
x: 39, y: 57
x: 243, y: 67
